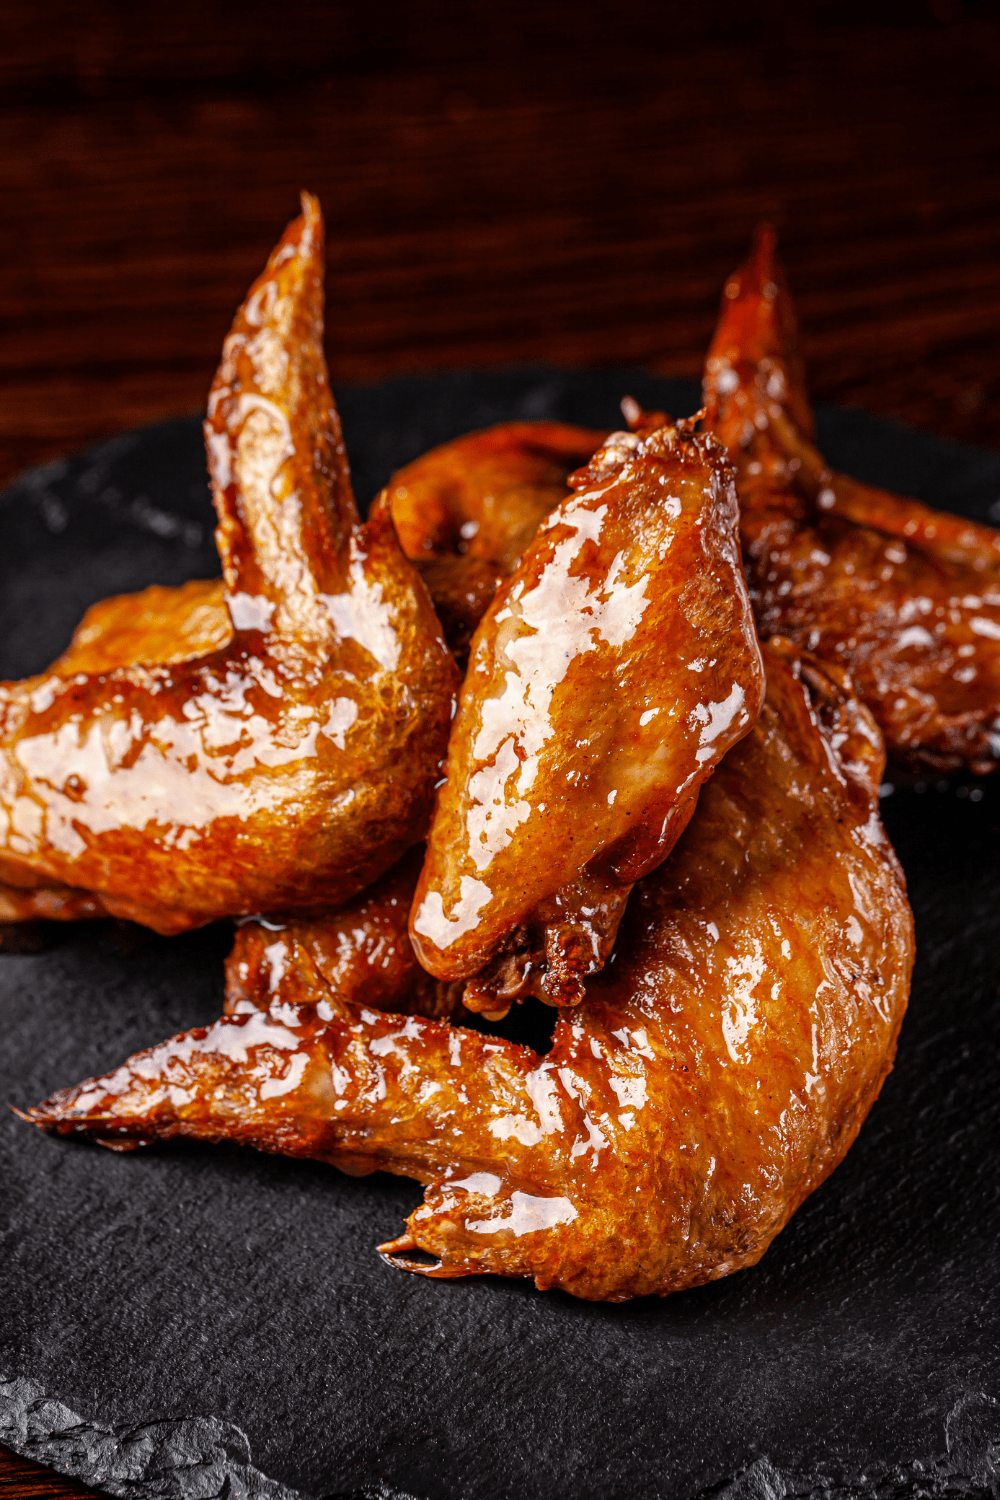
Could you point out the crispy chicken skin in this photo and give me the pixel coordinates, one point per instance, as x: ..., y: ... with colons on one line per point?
x: 290, y: 767
x: 717, y: 1071
x: 483, y: 495
x: 611, y: 673
x: 465, y: 511
x: 360, y: 952
x: 906, y: 597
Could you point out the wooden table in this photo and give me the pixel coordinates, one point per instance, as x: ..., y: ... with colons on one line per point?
x: 557, y: 182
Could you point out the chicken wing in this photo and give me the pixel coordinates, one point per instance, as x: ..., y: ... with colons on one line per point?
x: 360, y: 952
x: 908, y: 598
x: 156, y: 627
x: 465, y: 511
x: 716, y: 1073
x: 291, y: 766
x: 608, y: 677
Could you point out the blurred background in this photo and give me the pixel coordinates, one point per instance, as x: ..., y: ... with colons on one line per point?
x: 524, y: 182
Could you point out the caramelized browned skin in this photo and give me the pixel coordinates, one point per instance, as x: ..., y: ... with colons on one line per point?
x: 291, y: 766
x: 465, y: 511
x: 156, y: 627
x: 361, y: 952
x: 908, y: 598
x: 608, y: 677
x: 483, y: 495
x: 713, y: 1077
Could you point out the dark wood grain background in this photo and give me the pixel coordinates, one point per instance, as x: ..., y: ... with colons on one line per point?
x: 503, y: 183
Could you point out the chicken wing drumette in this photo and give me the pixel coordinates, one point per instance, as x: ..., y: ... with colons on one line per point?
x: 287, y: 767
x: 906, y: 597
x: 465, y: 511
x: 609, y: 676
x: 715, y: 1074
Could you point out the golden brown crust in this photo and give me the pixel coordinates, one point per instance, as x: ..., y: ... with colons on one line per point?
x: 293, y: 765
x: 717, y: 1071
x: 908, y: 598
x: 608, y: 677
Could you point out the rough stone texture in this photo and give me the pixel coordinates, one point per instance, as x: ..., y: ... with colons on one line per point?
x: 194, y: 1323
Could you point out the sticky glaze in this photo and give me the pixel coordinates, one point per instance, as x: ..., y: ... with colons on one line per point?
x: 295, y: 760
x: 715, y: 1074
x: 609, y: 675
x: 906, y: 597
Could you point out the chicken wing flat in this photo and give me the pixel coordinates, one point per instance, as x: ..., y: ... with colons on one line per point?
x: 716, y: 1073
x: 609, y: 676
x: 289, y: 767
x: 907, y: 597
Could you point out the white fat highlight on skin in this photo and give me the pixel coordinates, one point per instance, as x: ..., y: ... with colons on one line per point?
x: 527, y: 1215
x: 631, y: 1092
x: 541, y: 634
x: 276, y: 955
x: 342, y: 716
x: 979, y: 625
x: 434, y: 923
x: 250, y: 611
x: 364, y: 615
x: 273, y: 1088
x: 488, y: 1184
x: 739, y: 1014
x: 518, y: 1128
x: 914, y: 635
x: 716, y: 719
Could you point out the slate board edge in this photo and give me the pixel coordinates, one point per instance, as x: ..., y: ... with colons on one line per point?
x: 195, y: 1458
x: 202, y: 1458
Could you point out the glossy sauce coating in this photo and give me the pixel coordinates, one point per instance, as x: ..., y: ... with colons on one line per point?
x: 359, y: 952
x: 291, y: 766
x: 716, y: 1073
x: 906, y: 597
x: 156, y: 626
x: 465, y: 511
x: 483, y: 496
x: 608, y: 677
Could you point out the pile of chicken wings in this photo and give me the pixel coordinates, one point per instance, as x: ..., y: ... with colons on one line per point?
x: 591, y: 719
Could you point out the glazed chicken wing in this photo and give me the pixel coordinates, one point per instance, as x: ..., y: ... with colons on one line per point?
x: 715, y: 1074
x: 908, y: 598
x: 484, y: 495
x: 608, y: 677
x: 359, y: 952
x: 292, y: 763
x: 464, y: 512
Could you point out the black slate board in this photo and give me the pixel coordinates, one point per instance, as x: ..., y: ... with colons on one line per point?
x: 197, y: 1323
